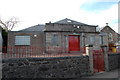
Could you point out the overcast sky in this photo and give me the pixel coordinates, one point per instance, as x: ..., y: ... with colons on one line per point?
x: 33, y: 12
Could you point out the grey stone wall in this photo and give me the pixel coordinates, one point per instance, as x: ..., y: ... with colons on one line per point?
x: 61, y: 67
x: 62, y: 45
x: 68, y: 27
x: 113, y: 61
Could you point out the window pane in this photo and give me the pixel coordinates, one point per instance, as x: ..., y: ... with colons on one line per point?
x: 22, y: 40
x: 55, y: 40
x: 92, y: 39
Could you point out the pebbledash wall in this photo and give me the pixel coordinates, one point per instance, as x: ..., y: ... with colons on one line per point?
x: 61, y: 67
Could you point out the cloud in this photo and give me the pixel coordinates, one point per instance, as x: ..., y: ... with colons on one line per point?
x: 105, y: 16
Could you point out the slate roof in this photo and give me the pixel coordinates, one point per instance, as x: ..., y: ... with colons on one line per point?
x: 69, y: 21
x: 39, y: 27
x: 102, y: 28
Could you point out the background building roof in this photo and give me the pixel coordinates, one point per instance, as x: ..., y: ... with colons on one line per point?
x: 39, y: 27
x: 69, y: 21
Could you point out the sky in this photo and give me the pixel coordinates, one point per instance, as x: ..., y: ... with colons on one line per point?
x: 33, y: 12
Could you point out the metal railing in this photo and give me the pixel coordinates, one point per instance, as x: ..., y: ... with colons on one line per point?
x: 34, y: 51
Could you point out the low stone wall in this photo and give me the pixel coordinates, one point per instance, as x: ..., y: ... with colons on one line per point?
x: 62, y: 67
x: 113, y: 61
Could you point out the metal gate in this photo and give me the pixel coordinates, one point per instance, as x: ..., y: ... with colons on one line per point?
x: 98, y: 61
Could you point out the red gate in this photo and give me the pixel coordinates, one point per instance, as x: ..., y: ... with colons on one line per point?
x: 98, y: 61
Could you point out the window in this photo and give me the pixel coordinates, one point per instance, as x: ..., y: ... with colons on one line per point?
x: 100, y: 40
x: 22, y: 40
x: 55, y: 40
x: 92, y: 40
x: 110, y: 37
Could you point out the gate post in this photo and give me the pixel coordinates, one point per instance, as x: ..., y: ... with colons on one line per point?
x: 89, y: 52
x: 105, y: 57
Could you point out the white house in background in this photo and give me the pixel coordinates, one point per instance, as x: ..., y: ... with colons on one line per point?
x: 0, y: 39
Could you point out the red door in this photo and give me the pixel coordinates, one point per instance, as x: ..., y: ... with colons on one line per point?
x: 98, y: 61
x: 74, y: 43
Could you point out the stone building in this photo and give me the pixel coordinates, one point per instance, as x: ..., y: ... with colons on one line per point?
x: 112, y: 36
x: 70, y: 36
x: 64, y: 36
x: 27, y: 40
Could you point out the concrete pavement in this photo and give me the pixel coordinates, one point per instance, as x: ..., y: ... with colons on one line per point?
x: 109, y: 74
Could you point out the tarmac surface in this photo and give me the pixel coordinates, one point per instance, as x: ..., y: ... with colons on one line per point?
x: 110, y: 75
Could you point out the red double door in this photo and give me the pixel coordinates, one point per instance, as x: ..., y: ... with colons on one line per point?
x: 74, y: 43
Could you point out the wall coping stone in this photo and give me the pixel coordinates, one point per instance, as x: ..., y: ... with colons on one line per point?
x: 12, y: 60
x: 114, y: 54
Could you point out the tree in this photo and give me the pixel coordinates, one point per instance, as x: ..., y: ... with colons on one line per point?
x: 10, y: 24
x: 7, y: 26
